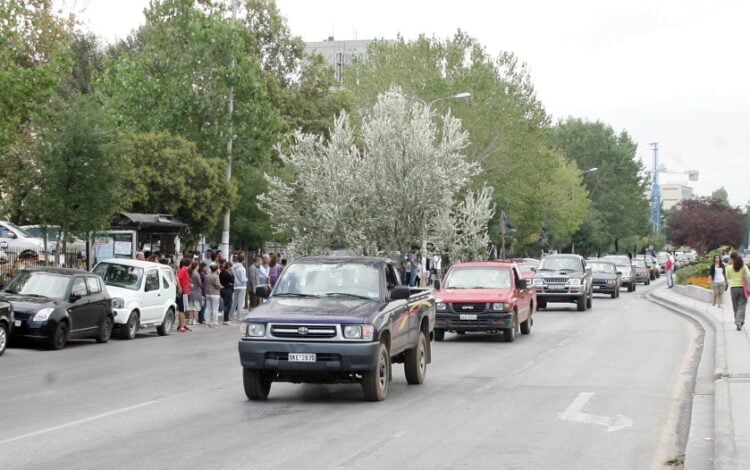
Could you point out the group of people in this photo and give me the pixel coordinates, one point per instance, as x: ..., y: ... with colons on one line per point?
x: 214, y: 291
x: 734, y: 277
x: 418, y: 270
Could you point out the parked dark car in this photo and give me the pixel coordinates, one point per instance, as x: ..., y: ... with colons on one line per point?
x: 6, y: 324
x: 605, y: 278
x: 338, y: 320
x: 58, y: 304
x: 563, y: 278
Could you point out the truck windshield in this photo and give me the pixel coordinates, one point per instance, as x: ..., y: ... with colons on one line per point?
x: 602, y: 267
x: 560, y: 264
x: 330, y: 279
x: 120, y: 275
x: 478, y: 278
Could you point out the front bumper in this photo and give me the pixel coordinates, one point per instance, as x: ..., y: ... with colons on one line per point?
x: 561, y: 294
x: 331, y: 357
x: 32, y: 330
x: 484, y: 321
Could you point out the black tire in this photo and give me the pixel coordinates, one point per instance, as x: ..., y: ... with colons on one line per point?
x: 415, y: 365
x: 614, y: 294
x: 581, y: 303
x: 375, y: 382
x: 648, y: 282
x: 439, y: 334
x: 509, y: 334
x: 59, y: 337
x: 589, y: 299
x: 166, y: 327
x: 257, y: 383
x: 105, y: 330
x: 541, y: 303
x: 631, y: 287
x: 526, y: 325
x: 635, y: 286
x: 4, y: 337
x: 130, y: 329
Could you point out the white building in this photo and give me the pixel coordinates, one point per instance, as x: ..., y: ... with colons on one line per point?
x: 341, y: 54
x: 674, y: 193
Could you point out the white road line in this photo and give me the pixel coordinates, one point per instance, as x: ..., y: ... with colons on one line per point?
x: 80, y: 421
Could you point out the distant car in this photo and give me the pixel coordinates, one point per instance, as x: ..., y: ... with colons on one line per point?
x: 6, y: 324
x: 527, y: 268
x: 642, y: 272
x: 14, y: 239
x: 58, y: 304
x: 563, y: 278
x: 143, y: 295
x: 605, y: 278
x: 73, y: 244
x: 680, y: 260
x: 652, y: 266
x: 625, y: 268
x: 661, y: 258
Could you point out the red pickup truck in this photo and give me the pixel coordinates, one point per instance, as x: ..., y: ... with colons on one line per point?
x: 487, y: 296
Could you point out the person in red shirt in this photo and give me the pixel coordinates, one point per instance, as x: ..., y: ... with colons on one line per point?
x: 183, y: 281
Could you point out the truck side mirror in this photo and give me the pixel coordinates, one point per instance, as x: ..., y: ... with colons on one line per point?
x: 522, y: 284
x: 400, y: 293
x: 436, y: 284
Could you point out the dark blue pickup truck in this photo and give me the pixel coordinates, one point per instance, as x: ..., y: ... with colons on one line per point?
x: 338, y: 320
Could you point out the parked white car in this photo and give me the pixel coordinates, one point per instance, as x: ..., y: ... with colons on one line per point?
x: 143, y: 295
x: 14, y: 239
x: 73, y: 244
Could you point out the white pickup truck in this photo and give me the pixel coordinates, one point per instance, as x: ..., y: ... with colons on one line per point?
x: 143, y: 295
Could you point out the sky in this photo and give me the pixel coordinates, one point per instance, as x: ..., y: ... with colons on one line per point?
x: 674, y: 72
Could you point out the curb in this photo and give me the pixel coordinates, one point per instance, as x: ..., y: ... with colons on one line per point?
x: 710, y: 441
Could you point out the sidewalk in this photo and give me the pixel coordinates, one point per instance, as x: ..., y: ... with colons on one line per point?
x: 727, y: 352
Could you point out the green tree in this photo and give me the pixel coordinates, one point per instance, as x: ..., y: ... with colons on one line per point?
x: 617, y: 189
x: 721, y: 195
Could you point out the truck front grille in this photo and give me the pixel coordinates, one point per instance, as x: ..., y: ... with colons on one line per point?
x: 303, y: 331
x: 469, y: 307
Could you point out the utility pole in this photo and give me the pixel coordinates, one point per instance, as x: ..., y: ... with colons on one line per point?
x: 224, y: 246
x: 655, y: 192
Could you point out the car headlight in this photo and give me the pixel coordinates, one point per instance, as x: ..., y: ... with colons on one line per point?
x: 611, y: 282
x: 352, y: 332
x: 538, y: 282
x: 574, y: 282
x: 499, y: 307
x: 118, y: 302
x: 441, y: 307
x: 255, y: 330
x: 43, y: 314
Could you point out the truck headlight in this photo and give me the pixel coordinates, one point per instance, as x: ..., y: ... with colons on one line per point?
x: 611, y: 282
x: 499, y: 307
x: 537, y: 282
x: 352, y: 331
x: 255, y: 330
x: 574, y: 282
x: 43, y: 314
x: 441, y: 306
x: 118, y: 302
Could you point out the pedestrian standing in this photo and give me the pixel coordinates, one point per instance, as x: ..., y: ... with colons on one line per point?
x: 213, y: 297
x: 240, y: 288
x: 669, y: 269
x: 226, y: 279
x: 273, y: 271
x: 196, y: 294
x: 718, y: 276
x: 183, y: 278
x: 735, y: 274
x: 203, y: 273
x: 263, y: 278
x: 252, y: 281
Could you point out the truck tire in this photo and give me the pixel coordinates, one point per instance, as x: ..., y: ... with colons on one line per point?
x: 589, y: 299
x: 581, y: 303
x: 541, y: 303
x: 509, y: 334
x: 526, y: 325
x: 257, y: 383
x: 166, y: 327
x: 415, y: 365
x: 375, y: 382
x: 439, y: 334
x: 631, y: 287
x: 614, y: 294
x: 129, y: 329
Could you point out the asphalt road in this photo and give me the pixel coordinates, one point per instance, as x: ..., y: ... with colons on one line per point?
x: 549, y: 400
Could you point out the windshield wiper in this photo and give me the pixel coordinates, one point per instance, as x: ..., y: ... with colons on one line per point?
x: 347, y: 294
x: 294, y: 294
x: 566, y: 270
x: 545, y: 269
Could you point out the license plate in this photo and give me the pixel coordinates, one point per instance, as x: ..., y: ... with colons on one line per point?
x: 468, y: 316
x: 17, y: 323
x: 554, y: 287
x: 302, y: 357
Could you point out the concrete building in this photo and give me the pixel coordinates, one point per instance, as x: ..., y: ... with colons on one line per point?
x: 674, y: 193
x: 341, y: 54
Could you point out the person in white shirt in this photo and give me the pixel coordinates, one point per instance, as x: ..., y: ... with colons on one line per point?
x: 240, y: 288
x: 718, y: 275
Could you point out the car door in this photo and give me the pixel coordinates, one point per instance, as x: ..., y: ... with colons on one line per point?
x: 83, y: 318
x: 521, y: 295
x: 401, y: 327
x: 152, y: 298
x: 100, y: 301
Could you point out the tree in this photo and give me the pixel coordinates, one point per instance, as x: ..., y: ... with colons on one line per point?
x: 80, y: 172
x: 396, y: 187
x: 617, y: 189
x: 704, y: 224
x: 721, y: 195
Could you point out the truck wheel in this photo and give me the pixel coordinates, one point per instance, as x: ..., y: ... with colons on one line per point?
x: 415, y: 365
x: 105, y: 331
x: 129, y: 329
x: 589, y: 299
x: 581, y: 303
x: 166, y: 327
x: 257, y: 383
x: 375, y: 382
x: 526, y: 326
x: 439, y: 334
x: 614, y: 294
x: 3, y: 338
x: 631, y: 287
x: 509, y: 334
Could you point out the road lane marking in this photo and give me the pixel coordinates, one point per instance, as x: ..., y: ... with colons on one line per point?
x: 77, y: 422
x: 574, y: 413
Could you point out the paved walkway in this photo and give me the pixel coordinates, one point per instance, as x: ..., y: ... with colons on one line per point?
x: 730, y: 380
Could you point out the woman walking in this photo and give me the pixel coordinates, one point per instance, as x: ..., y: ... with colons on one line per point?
x: 213, y: 297
x: 196, y: 293
x: 718, y: 277
x: 226, y: 278
x: 734, y: 275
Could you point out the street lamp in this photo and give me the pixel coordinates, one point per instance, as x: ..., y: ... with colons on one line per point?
x: 458, y: 96
x: 589, y: 170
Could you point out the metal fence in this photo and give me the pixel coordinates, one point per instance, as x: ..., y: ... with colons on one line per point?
x: 13, y: 260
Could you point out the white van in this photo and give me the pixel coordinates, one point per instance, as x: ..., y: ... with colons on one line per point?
x: 143, y: 294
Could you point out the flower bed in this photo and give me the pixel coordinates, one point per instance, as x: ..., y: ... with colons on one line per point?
x: 700, y: 281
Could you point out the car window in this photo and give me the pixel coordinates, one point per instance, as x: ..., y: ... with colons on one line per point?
x: 390, y: 276
x: 152, y: 280
x: 93, y: 285
x: 120, y: 275
x: 79, y: 287
x: 5, y: 233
